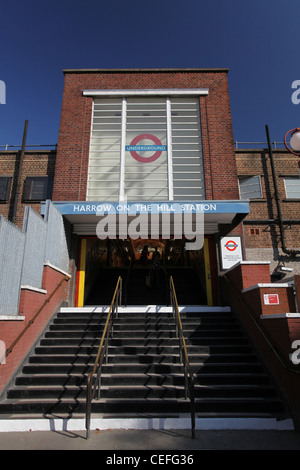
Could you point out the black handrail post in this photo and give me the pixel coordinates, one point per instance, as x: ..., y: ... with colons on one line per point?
x: 101, y: 355
x: 188, y: 376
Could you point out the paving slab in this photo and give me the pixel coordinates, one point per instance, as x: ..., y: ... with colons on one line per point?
x: 110, y: 441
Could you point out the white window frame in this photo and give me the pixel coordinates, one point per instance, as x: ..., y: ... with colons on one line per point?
x: 258, y: 177
x: 296, y: 178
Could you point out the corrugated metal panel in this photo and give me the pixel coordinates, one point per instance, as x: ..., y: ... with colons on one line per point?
x: 35, y: 229
x: 12, y: 242
x: 56, y: 251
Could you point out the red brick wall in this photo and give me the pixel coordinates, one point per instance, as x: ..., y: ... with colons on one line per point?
x: 74, y: 133
x: 36, y: 163
x: 247, y: 275
x: 30, y: 303
x: 255, y: 299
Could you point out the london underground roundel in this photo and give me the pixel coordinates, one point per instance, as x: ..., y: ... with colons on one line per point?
x: 157, y: 147
x: 231, y: 245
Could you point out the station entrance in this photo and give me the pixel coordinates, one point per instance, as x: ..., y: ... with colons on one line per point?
x: 145, y: 266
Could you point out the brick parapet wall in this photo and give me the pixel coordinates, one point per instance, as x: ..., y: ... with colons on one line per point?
x: 75, y: 125
x: 31, y: 303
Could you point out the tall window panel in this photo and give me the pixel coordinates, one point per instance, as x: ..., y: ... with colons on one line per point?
x: 146, y: 149
x: 188, y: 180
x: 146, y: 172
x: 105, y: 147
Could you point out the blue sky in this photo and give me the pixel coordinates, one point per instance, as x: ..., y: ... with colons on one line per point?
x: 258, y: 40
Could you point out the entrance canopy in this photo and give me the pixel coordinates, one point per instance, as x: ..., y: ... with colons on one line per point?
x: 85, y: 216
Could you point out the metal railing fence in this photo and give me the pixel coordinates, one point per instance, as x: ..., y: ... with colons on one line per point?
x: 23, y: 253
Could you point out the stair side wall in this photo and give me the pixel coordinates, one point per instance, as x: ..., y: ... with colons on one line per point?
x: 31, y: 301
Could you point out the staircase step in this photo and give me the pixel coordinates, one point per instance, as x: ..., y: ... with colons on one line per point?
x: 142, y: 359
x: 136, y: 391
x: 141, y: 349
x: 147, y: 342
x: 263, y: 407
x: 145, y: 379
x: 142, y: 368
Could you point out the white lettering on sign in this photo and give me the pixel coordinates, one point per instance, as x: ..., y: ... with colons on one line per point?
x: 145, y: 208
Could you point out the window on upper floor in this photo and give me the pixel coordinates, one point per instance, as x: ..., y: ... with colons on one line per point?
x: 250, y: 187
x: 292, y: 187
x: 5, y: 185
x: 37, y: 188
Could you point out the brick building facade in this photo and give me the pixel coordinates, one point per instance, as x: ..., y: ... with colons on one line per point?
x: 262, y: 236
x: 76, y: 119
x: 110, y: 109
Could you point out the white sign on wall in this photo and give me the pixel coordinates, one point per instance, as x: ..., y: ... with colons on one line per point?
x: 231, y: 251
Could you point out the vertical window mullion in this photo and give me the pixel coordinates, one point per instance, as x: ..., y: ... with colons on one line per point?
x: 122, y: 156
x: 169, y: 149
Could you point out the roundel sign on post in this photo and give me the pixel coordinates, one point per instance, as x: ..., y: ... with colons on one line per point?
x: 155, y: 148
x: 231, y: 251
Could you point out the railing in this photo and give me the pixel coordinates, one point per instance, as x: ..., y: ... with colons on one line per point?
x: 258, y: 145
x: 188, y: 375
x: 94, y: 378
x: 28, y: 147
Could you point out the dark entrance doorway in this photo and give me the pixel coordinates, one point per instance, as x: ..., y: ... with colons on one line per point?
x: 145, y: 266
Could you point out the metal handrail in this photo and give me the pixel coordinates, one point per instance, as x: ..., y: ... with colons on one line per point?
x: 188, y: 375
x: 101, y: 355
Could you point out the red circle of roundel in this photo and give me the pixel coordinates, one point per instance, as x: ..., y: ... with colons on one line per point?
x: 231, y: 244
x: 153, y: 157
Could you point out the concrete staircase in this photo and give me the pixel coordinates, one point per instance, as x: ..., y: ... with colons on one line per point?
x: 143, y: 375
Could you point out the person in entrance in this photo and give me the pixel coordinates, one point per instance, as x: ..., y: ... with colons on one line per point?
x: 155, y: 268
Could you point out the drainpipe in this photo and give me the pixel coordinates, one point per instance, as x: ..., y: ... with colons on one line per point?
x: 14, y: 217
x: 280, y: 220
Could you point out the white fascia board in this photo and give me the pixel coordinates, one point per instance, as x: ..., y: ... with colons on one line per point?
x: 149, y: 92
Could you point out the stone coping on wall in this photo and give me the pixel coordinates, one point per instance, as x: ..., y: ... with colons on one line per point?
x: 241, y: 263
x: 266, y: 285
x: 35, y: 289
x: 12, y: 318
x: 280, y: 315
x: 57, y: 269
